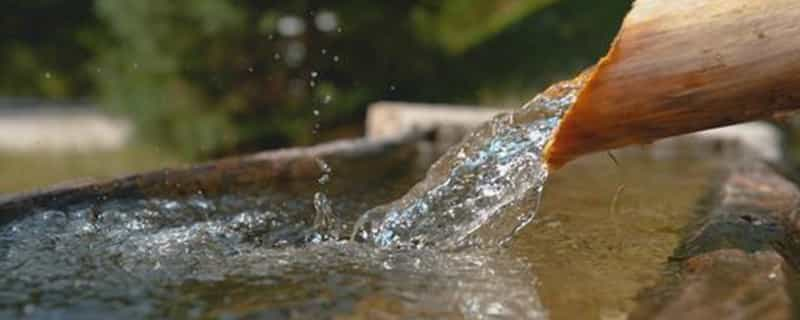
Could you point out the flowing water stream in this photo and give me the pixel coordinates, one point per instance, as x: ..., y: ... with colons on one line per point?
x: 462, y: 199
x: 283, y: 250
x: 254, y: 254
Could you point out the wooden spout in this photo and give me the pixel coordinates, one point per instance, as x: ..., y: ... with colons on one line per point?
x: 679, y: 66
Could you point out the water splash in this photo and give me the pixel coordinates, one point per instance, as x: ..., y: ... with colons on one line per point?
x: 462, y: 199
x: 324, y: 219
x: 277, y: 253
x: 243, y: 257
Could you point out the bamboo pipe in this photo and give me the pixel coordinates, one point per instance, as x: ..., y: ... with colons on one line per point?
x: 679, y: 66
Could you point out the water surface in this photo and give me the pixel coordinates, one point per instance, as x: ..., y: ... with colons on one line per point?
x: 281, y: 249
x: 593, y: 255
x: 252, y: 254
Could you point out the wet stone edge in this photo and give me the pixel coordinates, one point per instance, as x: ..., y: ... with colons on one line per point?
x: 740, y: 260
x: 208, y: 178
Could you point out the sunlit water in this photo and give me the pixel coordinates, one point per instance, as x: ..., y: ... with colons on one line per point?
x: 288, y: 255
x: 284, y: 251
x: 237, y: 257
x: 462, y: 200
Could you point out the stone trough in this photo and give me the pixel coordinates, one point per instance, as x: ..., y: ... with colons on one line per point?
x: 737, y: 260
x: 740, y: 261
x: 212, y: 177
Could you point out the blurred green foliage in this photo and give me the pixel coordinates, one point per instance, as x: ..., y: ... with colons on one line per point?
x: 461, y: 24
x: 46, y: 46
x: 211, y: 77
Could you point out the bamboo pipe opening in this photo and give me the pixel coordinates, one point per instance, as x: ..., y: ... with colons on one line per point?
x: 681, y: 66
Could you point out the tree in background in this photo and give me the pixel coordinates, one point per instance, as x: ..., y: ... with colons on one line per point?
x: 45, y: 48
x: 211, y: 77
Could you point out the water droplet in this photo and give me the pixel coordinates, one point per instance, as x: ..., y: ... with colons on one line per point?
x: 323, y: 165
x: 325, y: 168
x: 324, y: 51
x: 324, y: 219
x: 312, y: 83
x: 392, y: 88
x: 316, y: 113
x: 250, y: 69
x: 47, y: 75
x: 327, y: 99
x: 314, y: 74
x: 336, y: 59
x: 276, y: 56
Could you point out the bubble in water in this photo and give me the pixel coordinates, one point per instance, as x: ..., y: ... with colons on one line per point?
x: 327, y: 99
x: 316, y: 113
x: 314, y: 74
x: 336, y: 59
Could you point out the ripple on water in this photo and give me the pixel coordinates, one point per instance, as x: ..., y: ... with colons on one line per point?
x: 279, y: 257
x: 191, y: 259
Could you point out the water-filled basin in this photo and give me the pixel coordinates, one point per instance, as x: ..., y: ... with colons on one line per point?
x: 246, y: 248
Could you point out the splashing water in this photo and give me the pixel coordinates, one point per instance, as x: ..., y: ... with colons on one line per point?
x: 274, y: 253
x: 237, y: 257
x: 462, y: 199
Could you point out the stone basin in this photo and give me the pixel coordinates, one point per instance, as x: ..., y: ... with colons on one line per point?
x: 689, y: 228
